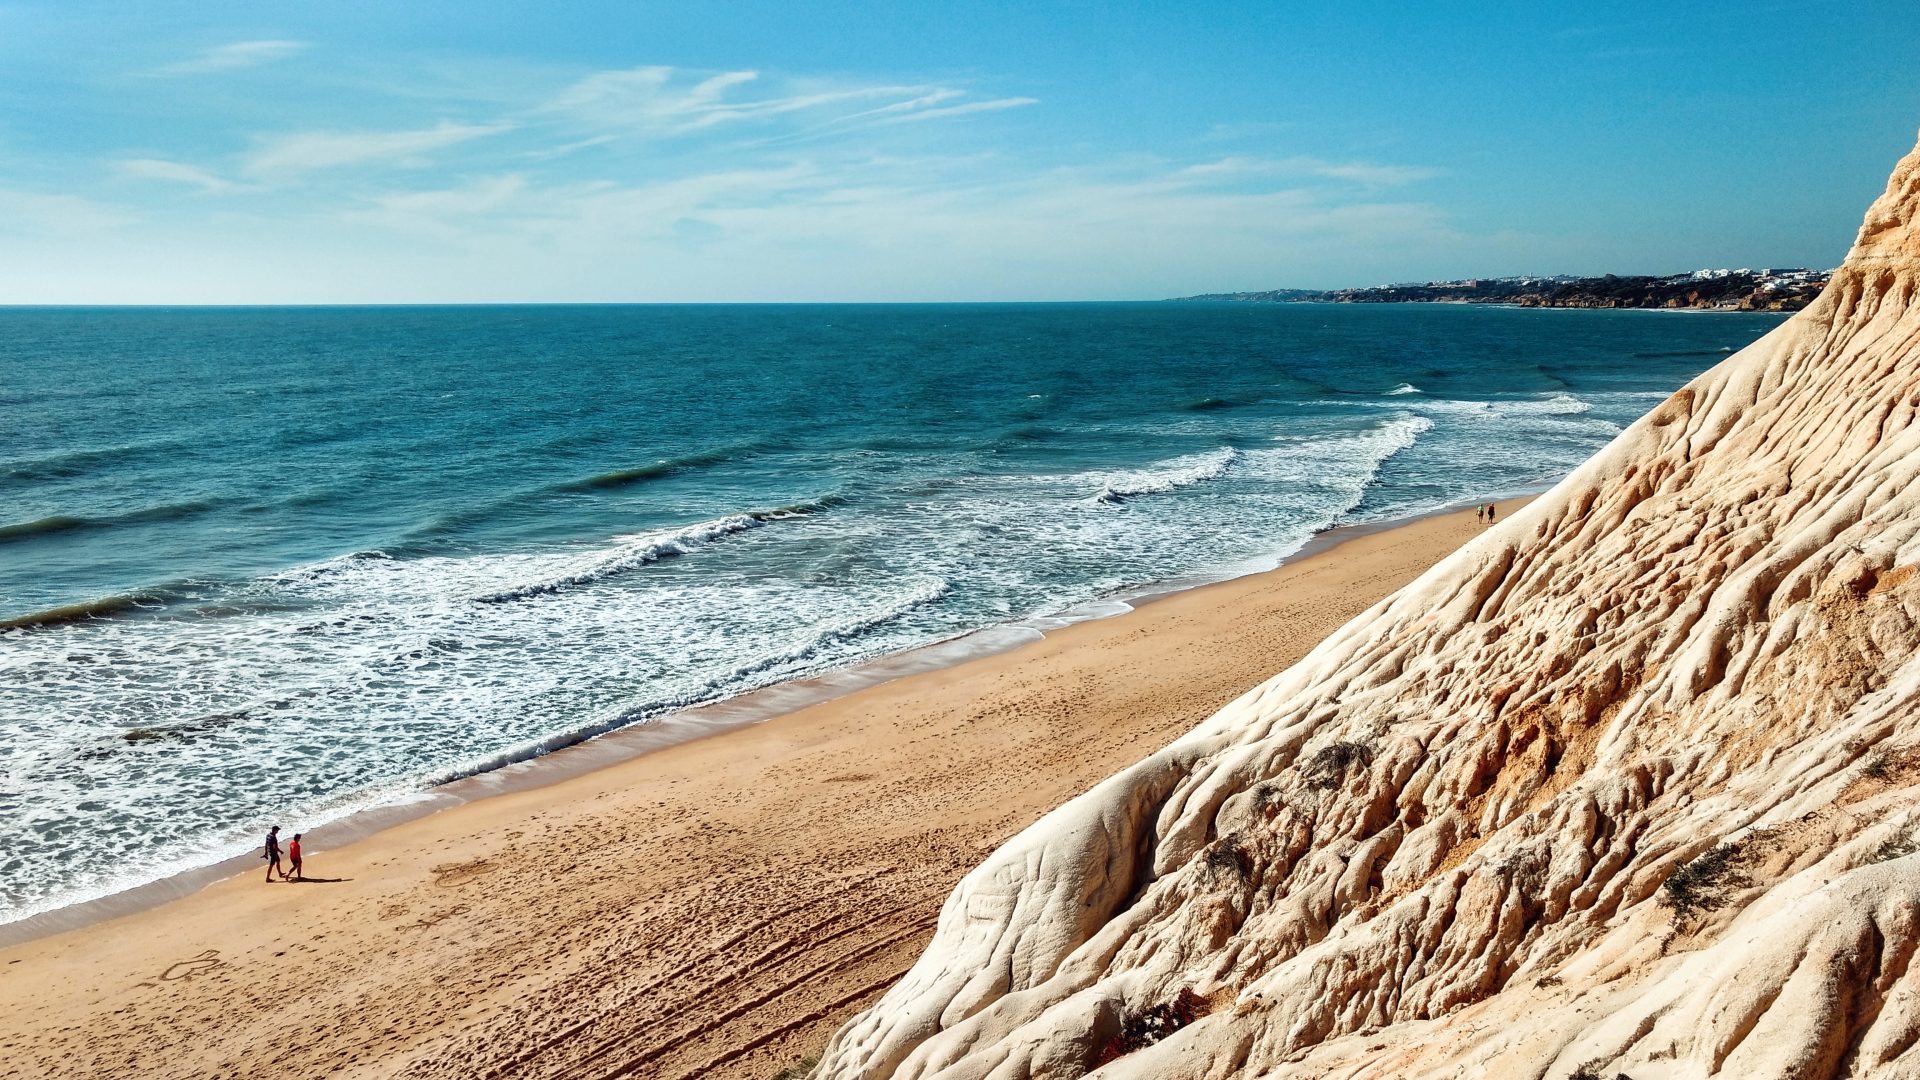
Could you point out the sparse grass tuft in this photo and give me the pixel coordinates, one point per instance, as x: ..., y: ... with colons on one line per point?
x: 1701, y: 884
x: 799, y: 1070
x: 1327, y: 768
x: 1898, y: 846
x: 1150, y: 1025
x: 1878, y: 767
x: 1228, y: 857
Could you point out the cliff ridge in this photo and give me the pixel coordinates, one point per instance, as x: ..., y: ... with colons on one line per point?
x: 1629, y: 785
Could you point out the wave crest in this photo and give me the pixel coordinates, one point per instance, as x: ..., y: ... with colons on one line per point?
x: 60, y: 523
x: 617, y: 478
x: 641, y: 549
x: 1197, y: 469
x: 86, y: 609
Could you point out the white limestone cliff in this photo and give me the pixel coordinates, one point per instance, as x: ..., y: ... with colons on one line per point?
x: 1446, y: 842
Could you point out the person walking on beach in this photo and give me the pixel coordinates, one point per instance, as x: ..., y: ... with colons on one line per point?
x: 272, y: 854
x: 293, y: 856
x: 1480, y: 513
x: 1489, y: 513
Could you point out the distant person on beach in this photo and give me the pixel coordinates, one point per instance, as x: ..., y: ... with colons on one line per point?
x: 293, y: 856
x: 1489, y: 513
x: 272, y: 854
x: 1480, y: 513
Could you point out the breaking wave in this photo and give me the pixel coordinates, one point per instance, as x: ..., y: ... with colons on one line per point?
x: 89, y: 609
x: 640, y: 549
x: 1180, y: 473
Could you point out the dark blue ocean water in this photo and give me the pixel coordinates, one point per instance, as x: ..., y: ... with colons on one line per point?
x: 286, y: 563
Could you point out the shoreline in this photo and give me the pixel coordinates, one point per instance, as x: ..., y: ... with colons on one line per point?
x: 712, y: 908
x: 595, y: 751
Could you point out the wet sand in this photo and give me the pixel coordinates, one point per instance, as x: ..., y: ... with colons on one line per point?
x: 708, y: 909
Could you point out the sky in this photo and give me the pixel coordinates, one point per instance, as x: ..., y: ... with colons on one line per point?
x: 440, y: 152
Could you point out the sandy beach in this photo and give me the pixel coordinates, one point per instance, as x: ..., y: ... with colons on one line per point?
x: 710, y: 909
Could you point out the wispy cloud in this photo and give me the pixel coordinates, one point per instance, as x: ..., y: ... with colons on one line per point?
x: 960, y: 110
x: 964, y: 207
x: 239, y: 54
x: 175, y: 172
x: 658, y: 101
x: 302, y: 152
x: 1365, y: 173
x: 657, y: 182
x: 923, y: 101
x: 1361, y: 173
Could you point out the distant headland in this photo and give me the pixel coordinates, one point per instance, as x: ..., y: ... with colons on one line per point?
x: 1770, y: 289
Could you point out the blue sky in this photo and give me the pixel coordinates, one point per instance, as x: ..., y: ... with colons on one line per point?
x: 438, y: 152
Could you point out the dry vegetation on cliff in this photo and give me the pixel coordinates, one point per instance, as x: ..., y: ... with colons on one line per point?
x: 1625, y: 786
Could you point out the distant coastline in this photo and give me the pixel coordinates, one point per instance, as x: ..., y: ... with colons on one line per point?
x: 1771, y: 289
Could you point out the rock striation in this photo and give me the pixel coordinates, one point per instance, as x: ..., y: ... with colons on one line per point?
x: 1629, y: 785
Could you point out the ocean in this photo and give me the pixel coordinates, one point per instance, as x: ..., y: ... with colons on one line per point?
x: 277, y: 565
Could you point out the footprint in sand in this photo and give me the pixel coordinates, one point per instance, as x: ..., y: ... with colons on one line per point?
x: 447, y: 874
x: 428, y: 921
x: 199, y: 965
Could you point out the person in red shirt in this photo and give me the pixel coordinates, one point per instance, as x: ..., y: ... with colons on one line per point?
x: 293, y: 857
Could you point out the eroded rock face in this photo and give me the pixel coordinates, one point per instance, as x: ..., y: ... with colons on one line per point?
x: 1446, y: 843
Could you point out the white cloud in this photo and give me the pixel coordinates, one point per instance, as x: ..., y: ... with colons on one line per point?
x: 176, y: 173
x: 961, y: 110
x: 239, y: 54
x: 836, y: 227
x: 735, y: 185
x: 1362, y: 173
x: 652, y: 99
x: 659, y: 101
x: 287, y: 155
x: 900, y: 229
x: 926, y: 100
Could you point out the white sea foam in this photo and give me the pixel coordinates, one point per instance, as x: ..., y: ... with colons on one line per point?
x: 1335, y: 472
x: 631, y: 553
x: 1171, y: 476
x: 374, y: 676
x: 1560, y: 404
x: 1403, y: 388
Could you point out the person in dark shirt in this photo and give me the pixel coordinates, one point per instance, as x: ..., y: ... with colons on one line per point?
x: 272, y: 854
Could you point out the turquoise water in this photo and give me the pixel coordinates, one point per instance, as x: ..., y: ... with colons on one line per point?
x: 281, y: 564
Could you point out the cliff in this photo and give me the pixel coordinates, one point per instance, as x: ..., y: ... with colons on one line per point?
x: 1628, y: 785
